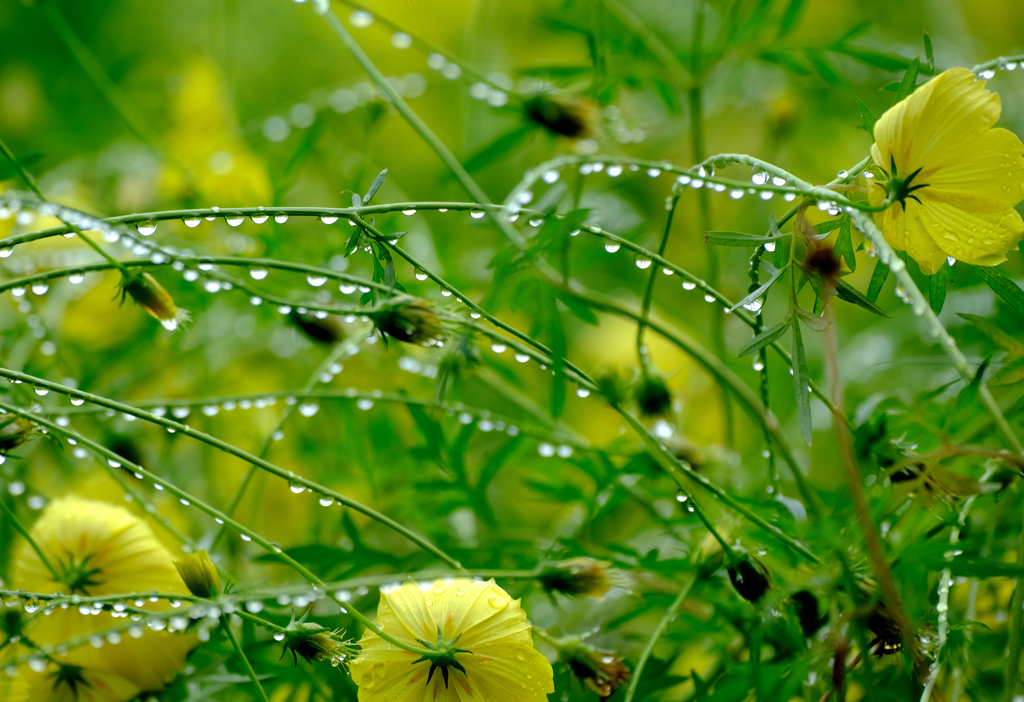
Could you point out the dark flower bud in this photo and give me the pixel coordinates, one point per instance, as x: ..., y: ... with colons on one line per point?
x: 600, y: 671
x: 888, y: 637
x: 652, y: 396
x: 563, y: 114
x: 323, y: 331
x: 806, y: 606
x: 14, y: 431
x: 612, y: 386
x: 412, y: 321
x: 583, y: 576
x: 151, y: 296
x: 750, y: 578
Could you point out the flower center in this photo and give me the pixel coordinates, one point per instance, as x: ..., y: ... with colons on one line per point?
x: 69, y: 675
x: 900, y: 189
x: 443, y: 656
x: 78, y: 576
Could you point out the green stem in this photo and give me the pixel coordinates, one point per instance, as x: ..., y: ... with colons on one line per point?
x: 645, y: 309
x: 670, y: 614
x: 226, y: 625
x: 20, y: 528
x: 1016, y: 628
x: 229, y: 449
x: 247, y: 533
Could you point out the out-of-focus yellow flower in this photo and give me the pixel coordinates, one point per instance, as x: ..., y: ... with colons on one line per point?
x: 152, y: 297
x: 205, y: 139
x: 81, y: 676
x: 100, y: 549
x: 199, y: 573
x: 494, y: 662
x: 952, y: 178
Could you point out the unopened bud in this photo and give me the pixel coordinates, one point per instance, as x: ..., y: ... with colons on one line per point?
x: 324, y: 331
x: 600, y: 671
x: 151, y: 296
x: 750, y: 578
x: 583, y: 576
x: 412, y: 321
x: 199, y: 574
x: 563, y: 114
x: 315, y: 643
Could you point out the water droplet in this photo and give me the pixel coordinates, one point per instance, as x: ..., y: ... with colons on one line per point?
x: 258, y: 273
x: 696, y: 183
x: 6, y: 251
x: 736, y: 193
x: 612, y: 246
x: 789, y: 197
x: 146, y: 228
x: 408, y: 212
x: 614, y: 171
x: 328, y: 219
x: 476, y: 214
x: 234, y: 220
x: 421, y: 275
x: 522, y: 357
x: 281, y: 218
x: 40, y: 288
x: 769, y: 246
x: 643, y: 263
x: 364, y: 403
x: 582, y: 392
x: 316, y: 280
x: 546, y: 450
x: 259, y: 218
x: 687, y: 285
x: 361, y: 19
x: 498, y: 348
x: 401, y: 40
x: 842, y: 174
x: 766, y: 194
x: 308, y: 409
x: 653, y: 172
x: 709, y: 298
x: 987, y: 74
x: 326, y: 500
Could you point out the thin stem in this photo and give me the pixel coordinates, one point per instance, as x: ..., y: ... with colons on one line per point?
x: 645, y: 308
x: 1016, y: 627
x: 232, y: 450
x: 248, y: 534
x: 20, y: 528
x: 422, y: 129
x: 226, y: 625
x: 670, y: 614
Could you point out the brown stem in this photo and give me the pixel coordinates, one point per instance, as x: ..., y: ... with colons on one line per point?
x: 860, y: 503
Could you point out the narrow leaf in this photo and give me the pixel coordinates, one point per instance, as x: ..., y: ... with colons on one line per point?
x: 995, y: 334
x: 774, y: 276
x: 763, y: 339
x: 801, y: 381
x: 738, y: 238
x: 824, y: 67
x: 374, y: 186
x: 1012, y: 372
x: 844, y: 244
x: 877, y: 281
x: 1002, y: 286
x: 10, y: 170
x: 790, y: 17
x: 929, y: 53
x: 869, y: 119
x: 813, y: 321
x: 909, y: 81
x: 937, y: 289
x: 848, y: 293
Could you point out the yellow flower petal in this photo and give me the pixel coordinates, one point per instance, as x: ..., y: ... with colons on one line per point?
x: 502, y: 664
x: 124, y: 556
x: 957, y: 177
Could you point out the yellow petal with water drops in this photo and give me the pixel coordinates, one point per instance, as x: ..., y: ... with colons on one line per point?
x: 984, y: 175
x: 980, y: 239
x: 905, y: 232
x: 480, y: 612
x: 112, y: 551
x: 511, y: 673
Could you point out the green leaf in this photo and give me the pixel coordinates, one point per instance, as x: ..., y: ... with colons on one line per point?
x: 995, y: 334
x: 869, y: 119
x: 374, y: 186
x: 937, y: 288
x: 877, y: 281
x: 909, y: 82
x: 502, y: 146
x: 10, y: 170
x: 1002, y: 286
x: 1012, y: 372
x: 824, y: 67
x: 929, y: 54
x: 790, y: 17
x: 738, y: 238
x: 844, y: 244
x: 763, y: 339
x: 353, y: 241
x: 848, y: 293
x: 786, y: 61
x: 878, y: 59
x: 801, y: 381
x: 774, y: 274
x: 813, y: 321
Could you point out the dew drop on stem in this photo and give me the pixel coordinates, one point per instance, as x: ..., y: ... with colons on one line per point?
x: 192, y: 222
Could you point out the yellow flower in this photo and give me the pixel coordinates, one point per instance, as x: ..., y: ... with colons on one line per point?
x: 952, y: 178
x: 99, y: 549
x: 492, y: 658
x: 81, y: 676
